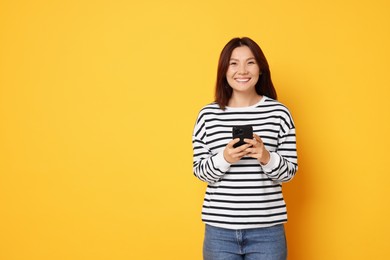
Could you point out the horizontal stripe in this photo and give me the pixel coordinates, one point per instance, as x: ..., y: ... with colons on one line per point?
x: 244, y: 194
x: 248, y: 209
x: 245, y: 201
x: 234, y: 223
x: 246, y: 216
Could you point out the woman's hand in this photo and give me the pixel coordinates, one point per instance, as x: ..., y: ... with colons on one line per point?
x: 257, y: 150
x: 232, y: 154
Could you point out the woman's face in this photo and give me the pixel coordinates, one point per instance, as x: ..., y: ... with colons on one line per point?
x: 243, y: 71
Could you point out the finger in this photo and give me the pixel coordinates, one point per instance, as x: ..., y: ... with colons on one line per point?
x: 242, y: 147
x: 254, y: 155
x: 250, y: 141
x: 233, y: 142
x: 237, y: 154
x: 240, y: 154
x: 243, y: 153
x: 252, y: 151
x: 258, y: 139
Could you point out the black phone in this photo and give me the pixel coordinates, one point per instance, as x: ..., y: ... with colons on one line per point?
x: 242, y: 132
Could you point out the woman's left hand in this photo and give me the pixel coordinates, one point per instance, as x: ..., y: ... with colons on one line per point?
x: 257, y: 150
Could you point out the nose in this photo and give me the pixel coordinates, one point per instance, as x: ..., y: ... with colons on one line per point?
x: 242, y: 69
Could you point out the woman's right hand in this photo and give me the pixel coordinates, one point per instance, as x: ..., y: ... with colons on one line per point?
x: 232, y: 154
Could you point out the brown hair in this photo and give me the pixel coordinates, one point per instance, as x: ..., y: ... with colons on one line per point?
x: 264, y: 86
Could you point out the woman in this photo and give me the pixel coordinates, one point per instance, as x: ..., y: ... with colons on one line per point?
x: 244, y: 210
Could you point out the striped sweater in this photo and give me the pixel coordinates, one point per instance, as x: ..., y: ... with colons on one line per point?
x: 244, y: 194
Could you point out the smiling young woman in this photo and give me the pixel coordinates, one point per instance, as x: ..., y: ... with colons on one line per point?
x: 242, y: 76
x: 243, y: 209
x: 263, y: 86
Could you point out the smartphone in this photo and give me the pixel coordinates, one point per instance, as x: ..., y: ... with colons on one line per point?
x: 242, y: 132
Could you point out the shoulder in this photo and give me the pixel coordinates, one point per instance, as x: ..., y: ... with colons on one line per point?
x: 277, y: 108
x: 275, y: 105
x: 208, y: 109
x: 269, y: 102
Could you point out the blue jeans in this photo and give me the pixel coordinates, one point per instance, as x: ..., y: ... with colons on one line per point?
x: 250, y: 244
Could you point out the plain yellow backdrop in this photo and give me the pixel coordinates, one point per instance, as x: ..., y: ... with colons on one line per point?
x: 98, y: 100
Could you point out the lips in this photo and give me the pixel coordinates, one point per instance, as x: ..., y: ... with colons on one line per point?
x: 242, y: 80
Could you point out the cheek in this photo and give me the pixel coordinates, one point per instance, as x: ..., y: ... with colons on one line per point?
x: 229, y: 73
x: 255, y: 79
x: 230, y: 80
x: 256, y: 71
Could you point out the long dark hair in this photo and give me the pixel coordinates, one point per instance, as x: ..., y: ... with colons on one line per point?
x: 264, y: 86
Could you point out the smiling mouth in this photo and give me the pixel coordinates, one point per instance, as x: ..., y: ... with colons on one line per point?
x: 242, y: 80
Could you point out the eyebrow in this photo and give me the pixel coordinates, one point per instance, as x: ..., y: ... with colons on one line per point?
x: 251, y: 58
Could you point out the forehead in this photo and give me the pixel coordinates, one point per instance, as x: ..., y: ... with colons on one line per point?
x: 242, y: 52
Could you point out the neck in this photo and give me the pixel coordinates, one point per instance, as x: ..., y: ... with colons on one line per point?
x: 244, y: 100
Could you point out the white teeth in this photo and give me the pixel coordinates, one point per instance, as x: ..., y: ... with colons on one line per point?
x: 242, y: 80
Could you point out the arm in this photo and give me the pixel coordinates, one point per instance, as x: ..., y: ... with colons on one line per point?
x: 283, y: 163
x: 207, y: 167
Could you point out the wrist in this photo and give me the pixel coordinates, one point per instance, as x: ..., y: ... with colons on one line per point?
x: 264, y: 160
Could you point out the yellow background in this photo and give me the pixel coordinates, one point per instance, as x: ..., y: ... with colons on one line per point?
x: 98, y: 100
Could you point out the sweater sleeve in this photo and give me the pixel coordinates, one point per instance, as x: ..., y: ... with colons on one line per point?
x: 207, y: 167
x: 283, y: 163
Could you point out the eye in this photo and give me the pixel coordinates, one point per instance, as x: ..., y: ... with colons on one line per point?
x: 251, y: 62
x: 233, y: 63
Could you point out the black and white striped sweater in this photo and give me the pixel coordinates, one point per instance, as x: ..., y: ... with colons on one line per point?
x: 245, y: 194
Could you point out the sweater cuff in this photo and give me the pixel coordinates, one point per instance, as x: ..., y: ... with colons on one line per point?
x: 273, y: 162
x: 220, y: 162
